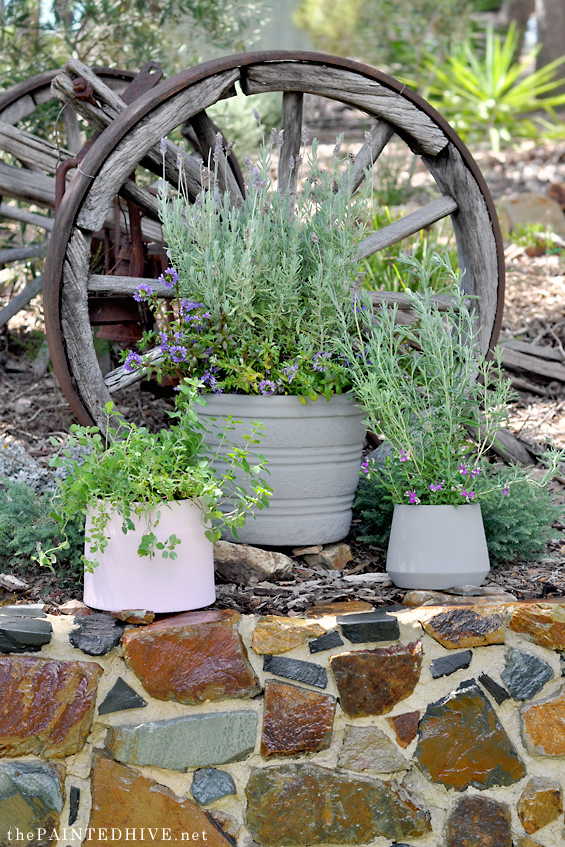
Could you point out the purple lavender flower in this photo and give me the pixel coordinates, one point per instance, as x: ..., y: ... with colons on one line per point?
x: 365, y: 466
x: 163, y: 146
x: 463, y: 468
x: 273, y: 136
x: 476, y: 472
x: 210, y: 380
x: 403, y: 456
x: 267, y: 387
x: 291, y: 371
x: 177, y: 353
x: 186, y: 306
x: 169, y: 277
x: 412, y: 497
x: 506, y: 490
x: 133, y: 362
x: 468, y: 495
x: 320, y: 363
x: 280, y: 139
x: 257, y: 116
x: 337, y: 148
x: 142, y: 292
x: 304, y: 135
x: 436, y: 487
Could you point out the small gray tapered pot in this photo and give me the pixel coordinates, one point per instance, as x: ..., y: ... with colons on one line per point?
x: 314, y: 455
x: 437, y: 546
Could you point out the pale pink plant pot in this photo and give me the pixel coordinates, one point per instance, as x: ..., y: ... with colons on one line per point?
x: 125, y: 580
x: 437, y: 547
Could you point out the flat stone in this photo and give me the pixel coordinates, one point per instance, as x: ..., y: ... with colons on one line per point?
x: 124, y: 801
x: 76, y: 608
x: 31, y: 799
x: 96, y: 634
x: 367, y: 748
x: 525, y: 674
x: 138, y: 616
x: 192, y: 741
x: 274, y: 634
x: 334, y: 557
x: 342, y: 607
x: 529, y: 207
x: 24, y: 610
x: 246, y: 565
x: 405, y: 727
x: 369, y: 626
x: 23, y: 635
x: 543, y: 725
x: 120, y: 697
x: 479, y: 822
x: 455, y: 628
x: 306, y: 672
x: 74, y: 803
x: 372, y: 682
x: 56, y: 719
x: 296, y: 720
x: 210, y: 784
x: 540, y: 803
x: 13, y: 583
x: 303, y: 551
x: 325, y: 642
x: 191, y: 658
x: 304, y: 804
x: 496, y: 691
x: 542, y: 623
x: 463, y: 743
x: 446, y: 665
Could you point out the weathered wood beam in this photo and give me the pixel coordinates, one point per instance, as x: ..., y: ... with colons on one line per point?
x: 14, y: 213
x: 31, y: 149
x: 120, y: 378
x: 27, y: 186
x: 291, y: 125
x: 20, y: 254
x: 379, y: 137
x: 100, y: 284
x: 532, y: 364
x: 205, y: 132
x: 552, y: 353
x: 20, y: 300
x: 406, y: 226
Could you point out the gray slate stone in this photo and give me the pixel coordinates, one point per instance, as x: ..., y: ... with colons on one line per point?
x: 325, y: 642
x: 96, y: 634
x: 74, y: 802
x: 22, y: 635
x: 194, y: 741
x: 209, y: 784
x: 121, y: 697
x: 446, y: 665
x: 34, y: 781
x: 496, y: 691
x: 307, y: 672
x: 24, y: 610
x: 525, y: 674
x: 369, y: 626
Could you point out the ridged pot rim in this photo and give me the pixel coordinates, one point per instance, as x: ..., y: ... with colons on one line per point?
x: 278, y: 405
x: 421, y: 506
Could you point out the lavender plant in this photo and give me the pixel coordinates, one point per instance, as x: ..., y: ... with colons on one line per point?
x: 254, y: 282
x: 424, y: 389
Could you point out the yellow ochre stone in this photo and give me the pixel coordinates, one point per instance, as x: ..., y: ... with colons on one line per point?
x: 456, y: 628
x: 541, y: 803
x: 274, y: 634
x: 543, y: 725
x: 542, y: 623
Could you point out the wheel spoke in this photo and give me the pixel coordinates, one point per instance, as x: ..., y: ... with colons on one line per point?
x: 206, y: 131
x: 120, y: 378
x: 108, y: 284
x: 406, y: 226
x: 16, y: 214
x: 379, y: 137
x: 31, y: 149
x: 21, y: 300
x: 18, y: 254
x: 291, y: 124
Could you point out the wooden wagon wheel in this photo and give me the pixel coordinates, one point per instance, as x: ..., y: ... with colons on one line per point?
x: 33, y: 182
x: 134, y: 137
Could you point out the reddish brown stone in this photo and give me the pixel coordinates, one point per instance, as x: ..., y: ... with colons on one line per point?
x: 303, y: 804
x: 46, y: 706
x: 274, y: 634
x: 479, y: 822
x: 405, y: 727
x: 372, y: 682
x: 124, y: 801
x: 541, y: 803
x: 346, y: 607
x: 543, y: 725
x: 542, y: 623
x: 466, y: 627
x: 463, y: 743
x: 296, y: 720
x: 192, y: 657
x: 138, y: 616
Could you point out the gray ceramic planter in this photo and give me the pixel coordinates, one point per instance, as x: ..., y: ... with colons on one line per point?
x: 314, y: 454
x: 437, y: 547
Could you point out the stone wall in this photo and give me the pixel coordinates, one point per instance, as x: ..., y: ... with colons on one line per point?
x: 436, y: 725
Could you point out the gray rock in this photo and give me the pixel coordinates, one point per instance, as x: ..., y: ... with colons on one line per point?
x: 367, y: 748
x: 247, y: 565
x: 16, y: 465
x: 22, y: 635
x: 12, y: 583
x: 24, y: 610
x: 446, y: 665
x: 307, y: 672
x: 74, y: 802
x: 334, y: 557
x: 209, y: 784
x: 496, y: 691
x: 325, y: 642
x: 194, y: 741
x: 525, y: 674
x: 381, y: 453
x: 369, y: 626
x: 119, y: 698
x: 36, y: 782
x: 96, y: 634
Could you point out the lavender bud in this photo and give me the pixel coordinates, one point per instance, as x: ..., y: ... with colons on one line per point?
x: 298, y: 161
x: 257, y: 116
x: 230, y: 147
x: 291, y: 162
x: 163, y: 146
x: 280, y: 139
x: 367, y: 136
x: 337, y: 148
x: 315, y: 238
x: 273, y: 137
x: 218, y: 147
x: 351, y: 158
x: 304, y: 135
x: 256, y: 177
x: 247, y: 162
x: 180, y: 155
